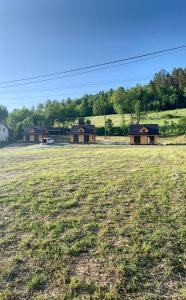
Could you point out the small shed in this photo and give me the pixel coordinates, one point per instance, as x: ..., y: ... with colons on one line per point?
x: 34, y: 134
x: 144, y: 134
x: 4, y: 132
x: 84, y: 134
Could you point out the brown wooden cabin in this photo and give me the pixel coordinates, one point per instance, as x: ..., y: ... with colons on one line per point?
x: 83, y: 134
x: 144, y: 134
x: 34, y: 134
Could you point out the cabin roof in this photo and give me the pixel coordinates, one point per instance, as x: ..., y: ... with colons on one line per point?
x: 56, y: 129
x: 135, y: 129
x: 87, y: 129
x: 34, y: 130
x: 3, y: 123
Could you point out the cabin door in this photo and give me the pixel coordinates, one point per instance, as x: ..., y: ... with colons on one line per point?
x: 75, y: 139
x: 151, y: 140
x: 27, y: 138
x: 86, y: 138
x: 36, y: 138
x: 137, y: 140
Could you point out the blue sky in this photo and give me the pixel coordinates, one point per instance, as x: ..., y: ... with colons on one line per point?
x: 46, y: 36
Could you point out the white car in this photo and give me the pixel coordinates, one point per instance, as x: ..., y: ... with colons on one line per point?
x: 47, y: 141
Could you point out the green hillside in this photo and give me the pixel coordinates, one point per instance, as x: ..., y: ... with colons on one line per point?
x: 92, y: 222
x: 153, y: 117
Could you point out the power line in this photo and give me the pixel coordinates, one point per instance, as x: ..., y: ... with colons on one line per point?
x: 85, y: 72
x: 35, y: 102
x: 71, y: 75
x: 88, y: 84
x: 93, y: 66
x: 94, y: 83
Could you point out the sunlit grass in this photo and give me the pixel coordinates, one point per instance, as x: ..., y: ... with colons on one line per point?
x: 149, y: 118
x: 92, y: 222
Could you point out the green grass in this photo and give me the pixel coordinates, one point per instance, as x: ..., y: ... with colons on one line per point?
x: 153, y: 117
x: 92, y: 222
x: 171, y: 139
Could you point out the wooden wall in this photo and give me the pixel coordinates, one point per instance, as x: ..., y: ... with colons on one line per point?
x: 144, y: 139
x: 92, y: 139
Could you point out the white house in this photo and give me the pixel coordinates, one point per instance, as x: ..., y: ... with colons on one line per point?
x: 4, y: 133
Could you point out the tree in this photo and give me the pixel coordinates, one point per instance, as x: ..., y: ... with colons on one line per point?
x: 101, y: 105
x: 119, y: 98
x: 81, y: 121
x: 88, y: 121
x: 3, y: 113
x: 85, y: 108
x: 109, y: 126
x: 137, y: 111
x: 52, y: 111
x: 18, y: 119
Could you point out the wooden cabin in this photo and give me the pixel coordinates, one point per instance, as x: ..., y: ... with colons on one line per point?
x: 144, y: 134
x: 83, y: 134
x: 34, y: 134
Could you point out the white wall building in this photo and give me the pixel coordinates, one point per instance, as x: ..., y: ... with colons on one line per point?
x: 4, y: 133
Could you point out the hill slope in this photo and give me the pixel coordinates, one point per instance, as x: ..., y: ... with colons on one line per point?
x: 92, y: 222
x: 153, y: 117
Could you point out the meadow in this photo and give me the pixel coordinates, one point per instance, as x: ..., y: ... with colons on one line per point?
x: 160, y: 118
x: 92, y: 222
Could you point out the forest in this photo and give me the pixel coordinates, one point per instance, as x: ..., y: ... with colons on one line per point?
x: 164, y: 92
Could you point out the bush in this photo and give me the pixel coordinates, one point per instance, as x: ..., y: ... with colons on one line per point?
x: 116, y: 131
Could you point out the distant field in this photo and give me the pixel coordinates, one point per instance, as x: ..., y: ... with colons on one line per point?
x: 92, y: 222
x: 159, y: 117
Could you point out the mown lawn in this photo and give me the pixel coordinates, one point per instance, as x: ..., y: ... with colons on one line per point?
x: 93, y: 222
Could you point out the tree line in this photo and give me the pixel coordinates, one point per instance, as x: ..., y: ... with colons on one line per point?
x: 165, y: 91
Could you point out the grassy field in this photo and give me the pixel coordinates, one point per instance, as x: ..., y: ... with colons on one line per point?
x: 181, y: 139
x: 153, y: 117
x: 92, y: 222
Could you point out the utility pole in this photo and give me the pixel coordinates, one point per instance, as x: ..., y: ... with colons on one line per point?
x: 105, y: 123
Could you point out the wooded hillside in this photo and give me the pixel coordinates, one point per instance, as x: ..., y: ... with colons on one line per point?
x: 164, y: 92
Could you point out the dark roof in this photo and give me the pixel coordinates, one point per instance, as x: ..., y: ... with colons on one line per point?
x: 153, y: 129
x: 56, y: 129
x: 87, y: 129
x: 33, y: 130
x: 1, y: 122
